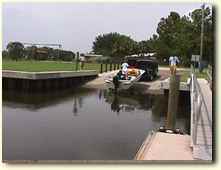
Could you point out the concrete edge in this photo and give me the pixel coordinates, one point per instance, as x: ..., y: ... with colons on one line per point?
x: 145, y: 145
x: 47, y: 75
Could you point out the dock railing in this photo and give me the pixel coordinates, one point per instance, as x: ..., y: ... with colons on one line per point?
x: 209, y: 75
x: 198, y: 103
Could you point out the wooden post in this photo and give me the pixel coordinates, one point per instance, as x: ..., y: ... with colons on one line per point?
x: 105, y: 67
x: 173, y: 101
x: 101, y: 68
x: 110, y: 66
x: 118, y: 66
x: 77, y: 59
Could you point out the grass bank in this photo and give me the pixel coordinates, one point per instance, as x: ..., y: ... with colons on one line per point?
x: 44, y: 66
x: 186, y: 74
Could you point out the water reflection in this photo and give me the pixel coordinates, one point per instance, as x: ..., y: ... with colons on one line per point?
x: 115, y: 106
x: 77, y: 104
x: 155, y: 107
x: 35, y: 101
x: 128, y: 102
x: 82, y: 124
x: 122, y: 102
x: 75, y: 108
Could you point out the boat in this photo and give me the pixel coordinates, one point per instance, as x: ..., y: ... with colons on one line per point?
x: 134, y: 75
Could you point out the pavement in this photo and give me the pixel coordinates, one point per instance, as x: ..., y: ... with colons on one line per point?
x: 99, y: 82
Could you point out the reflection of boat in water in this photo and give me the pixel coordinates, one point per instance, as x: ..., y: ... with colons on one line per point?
x: 120, y: 83
x: 122, y: 103
x: 116, y: 106
x: 110, y: 98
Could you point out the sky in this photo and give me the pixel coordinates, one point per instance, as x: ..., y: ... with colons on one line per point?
x: 75, y: 25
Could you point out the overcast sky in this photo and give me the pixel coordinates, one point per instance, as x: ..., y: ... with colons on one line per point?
x: 75, y: 25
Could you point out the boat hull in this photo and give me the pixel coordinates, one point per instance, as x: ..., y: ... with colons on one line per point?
x: 124, y: 84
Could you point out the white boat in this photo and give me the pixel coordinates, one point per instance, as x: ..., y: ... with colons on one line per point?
x: 125, y: 84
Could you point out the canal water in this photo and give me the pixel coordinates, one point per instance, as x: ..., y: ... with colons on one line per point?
x: 82, y: 124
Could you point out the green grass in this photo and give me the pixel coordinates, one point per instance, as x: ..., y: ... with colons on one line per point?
x: 186, y: 74
x: 43, y: 66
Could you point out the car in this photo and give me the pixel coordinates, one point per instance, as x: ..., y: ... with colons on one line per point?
x: 148, y: 64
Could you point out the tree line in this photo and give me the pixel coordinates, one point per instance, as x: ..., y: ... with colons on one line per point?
x: 175, y: 35
x: 17, y: 51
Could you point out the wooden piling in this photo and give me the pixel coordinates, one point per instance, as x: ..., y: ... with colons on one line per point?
x: 118, y: 66
x: 173, y: 101
x: 101, y: 71
x: 77, y: 60
x: 110, y: 66
x: 105, y: 67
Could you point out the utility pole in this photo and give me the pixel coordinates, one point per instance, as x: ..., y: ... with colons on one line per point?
x: 201, y: 42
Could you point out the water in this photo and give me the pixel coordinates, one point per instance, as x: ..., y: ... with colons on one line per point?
x: 82, y: 124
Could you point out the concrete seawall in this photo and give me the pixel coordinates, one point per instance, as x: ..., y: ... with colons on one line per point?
x: 40, y: 81
x: 47, y: 75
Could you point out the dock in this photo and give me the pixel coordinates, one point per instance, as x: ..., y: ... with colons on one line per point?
x: 197, y: 147
x: 165, y: 147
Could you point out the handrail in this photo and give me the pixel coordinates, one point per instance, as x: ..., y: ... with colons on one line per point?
x: 199, y: 92
x: 198, y: 102
x: 210, y: 75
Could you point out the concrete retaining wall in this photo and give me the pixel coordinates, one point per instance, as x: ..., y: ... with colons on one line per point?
x: 47, y: 75
x: 44, y: 81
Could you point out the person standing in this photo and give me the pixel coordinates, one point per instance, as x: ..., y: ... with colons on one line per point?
x: 173, y: 61
x: 82, y: 59
x: 124, y: 68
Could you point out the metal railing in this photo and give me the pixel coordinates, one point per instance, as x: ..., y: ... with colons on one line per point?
x: 209, y: 75
x: 198, y: 102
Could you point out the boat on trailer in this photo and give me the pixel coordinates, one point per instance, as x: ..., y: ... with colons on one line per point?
x: 134, y: 75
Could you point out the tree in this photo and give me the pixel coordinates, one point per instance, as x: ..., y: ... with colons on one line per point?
x: 114, y: 45
x: 30, y: 52
x: 176, y: 35
x: 15, y: 50
x: 5, y: 54
x: 169, y: 30
x: 143, y: 47
x: 181, y: 36
x: 66, y: 55
x: 196, y: 18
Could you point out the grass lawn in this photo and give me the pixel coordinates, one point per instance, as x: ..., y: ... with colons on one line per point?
x: 186, y: 74
x: 41, y: 66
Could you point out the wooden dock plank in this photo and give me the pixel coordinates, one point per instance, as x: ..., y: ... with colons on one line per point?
x: 165, y: 146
